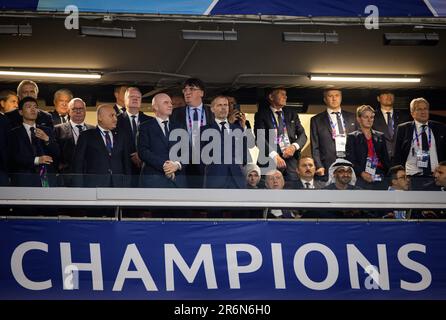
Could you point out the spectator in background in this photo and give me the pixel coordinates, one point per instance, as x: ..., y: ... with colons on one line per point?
x: 119, y: 93
x: 420, y: 144
x: 28, y: 88
x: 440, y: 175
x: 8, y: 101
x: 341, y: 176
x: 177, y: 101
x: 329, y: 130
x: 306, y: 170
x: 398, y: 182
x: 4, y: 131
x: 274, y: 181
x: 290, y: 136
x: 60, y: 112
x: 67, y: 136
x: 366, y: 150
x: 387, y: 118
x: 253, y: 175
x: 235, y: 113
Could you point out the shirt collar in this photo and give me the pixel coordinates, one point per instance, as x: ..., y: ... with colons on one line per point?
x: 419, y: 124
x: 27, y: 126
x: 102, y: 129
x: 131, y: 115
x: 329, y: 111
x: 305, y: 181
x: 76, y: 124
x: 384, y: 112
x: 160, y: 121
x: 199, y: 108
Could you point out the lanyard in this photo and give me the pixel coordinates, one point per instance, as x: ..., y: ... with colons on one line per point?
x: 429, y: 137
x: 275, y: 125
x: 190, y: 121
x: 333, y: 125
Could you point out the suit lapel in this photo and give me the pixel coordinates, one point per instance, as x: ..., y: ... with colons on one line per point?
x: 100, y: 141
x: 24, y: 137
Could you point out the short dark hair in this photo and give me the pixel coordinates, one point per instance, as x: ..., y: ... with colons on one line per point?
x: 393, y: 172
x: 303, y: 157
x: 331, y: 89
x: 194, y: 82
x: 25, y: 100
x: 5, y: 94
x: 442, y: 163
x: 118, y: 87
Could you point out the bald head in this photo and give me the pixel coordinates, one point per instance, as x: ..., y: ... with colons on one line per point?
x: 162, y: 105
x: 107, y: 116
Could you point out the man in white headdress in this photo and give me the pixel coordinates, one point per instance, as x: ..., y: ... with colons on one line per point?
x: 341, y: 176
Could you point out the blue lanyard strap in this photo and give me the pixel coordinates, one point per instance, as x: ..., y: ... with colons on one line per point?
x: 429, y: 137
x: 333, y: 125
x: 275, y: 125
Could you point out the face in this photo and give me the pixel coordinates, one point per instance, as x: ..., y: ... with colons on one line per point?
x: 386, y: 99
x: 401, y: 182
x: 133, y: 101
x: 163, y: 105
x: 253, y: 178
x: 193, y: 95
x: 333, y: 99
x: 107, y: 118
x: 306, y: 168
x: 120, y: 95
x: 77, y: 112
x: 274, y: 180
x: 366, y: 119
x: 278, y: 98
x: 28, y: 90
x: 343, y: 175
x: 29, y: 111
x: 421, y: 112
x: 61, y: 103
x: 11, y: 103
x: 231, y: 102
x: 178, y: 101
x: 440, y: 176
x: 220, y: 108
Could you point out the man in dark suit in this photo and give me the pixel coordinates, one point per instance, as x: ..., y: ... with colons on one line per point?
x: 289, y: 134
x: 153, y: 144
x: 4, y: 132
x: 67, y: 135
x: 387, y: 118
x: 329, y: 131
x: 33, y: 150
x: 28, y: 88
x: 119, y: 93
x: 306, y: 170
x: 192, y: 117
x: 366, y: 150
x: 420, y: 144
x: 224, y: 172
x: 128, y: 123
x: 60, y: 112
x: 101, y: 157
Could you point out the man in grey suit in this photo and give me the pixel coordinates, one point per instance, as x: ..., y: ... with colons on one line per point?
x: 329, y: 130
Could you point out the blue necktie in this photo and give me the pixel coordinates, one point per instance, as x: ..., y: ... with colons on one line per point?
x: 108, y: 142
x: 195, y: 114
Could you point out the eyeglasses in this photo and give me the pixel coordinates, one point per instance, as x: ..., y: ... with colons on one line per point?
x: 78, y: 109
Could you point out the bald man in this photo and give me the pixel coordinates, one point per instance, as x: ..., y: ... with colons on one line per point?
x: 153, y: 145
x: 101, y: 157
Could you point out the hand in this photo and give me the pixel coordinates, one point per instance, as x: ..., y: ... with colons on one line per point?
x: 170, y: 167
x: 429, y: 214
x: 45, y: 160
x: 320, y: 171
x: 280, y: 163
x: 233, y: 116
x: 242, y: 120
x: 367, y: 176
x: 390, y: 215
x: 135, y: 159
x: 171, y: 176
x: 289, y: 151
x: 42, y: 135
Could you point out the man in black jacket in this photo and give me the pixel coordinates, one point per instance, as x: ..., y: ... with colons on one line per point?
x: 289, y: 135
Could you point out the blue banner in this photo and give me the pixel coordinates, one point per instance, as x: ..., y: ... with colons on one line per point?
x: 304, y: 8
x: 275, y: 260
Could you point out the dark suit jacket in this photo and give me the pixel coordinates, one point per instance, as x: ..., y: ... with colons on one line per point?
x: 65, y: 139
x: 357, y: 151
x: 179, y: 116
x: 297, y: 184
x: 263, y: 120
x: 100, y: 169
x: 153, y: 149
x: 379, y: 124
x: 43, y: 118
x: 4, y: 131
x: 224, y: 174
x: 124, y: 127
x: 323, y: 146
x: 56, y: 118
x: 21, y: 153
x: 404, y: 136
